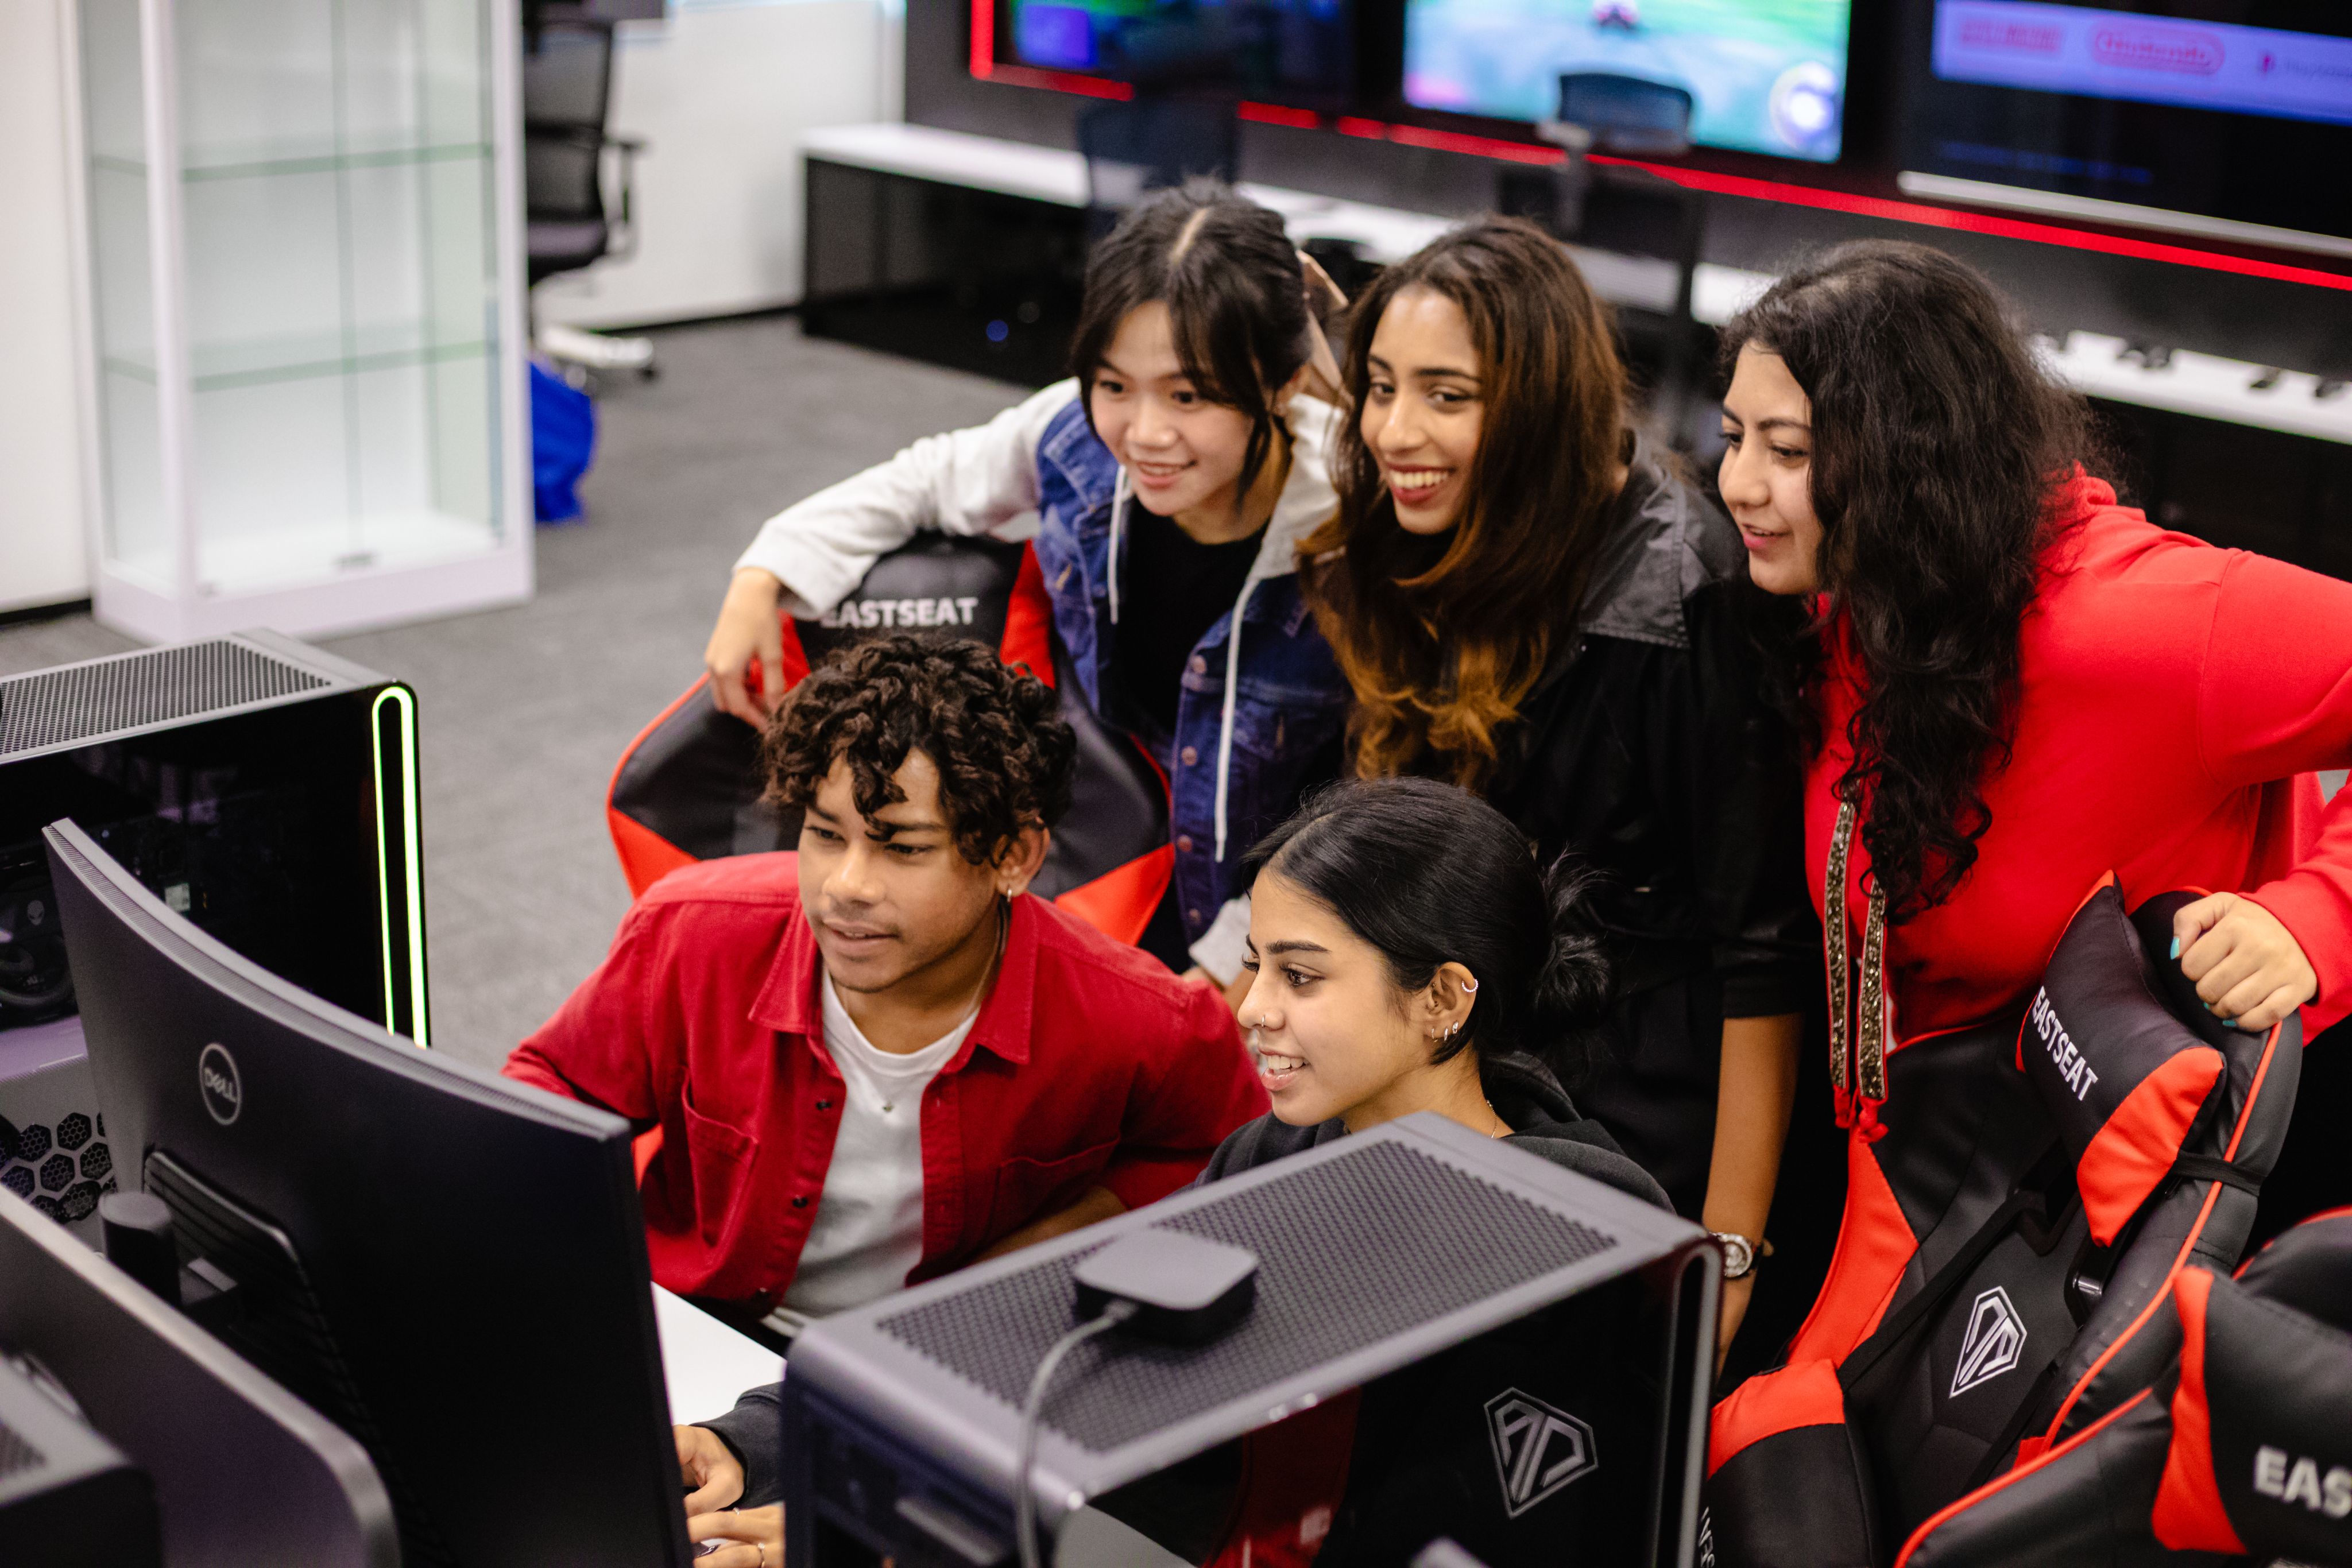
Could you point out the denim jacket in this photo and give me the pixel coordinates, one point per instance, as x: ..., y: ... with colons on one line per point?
x: 1251, y: 734
x: 1250, y: 725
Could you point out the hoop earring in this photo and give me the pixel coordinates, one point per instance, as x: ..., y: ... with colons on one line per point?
x: 1469, y: 987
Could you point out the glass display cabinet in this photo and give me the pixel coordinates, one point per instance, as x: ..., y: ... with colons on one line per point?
x: 305, y: 311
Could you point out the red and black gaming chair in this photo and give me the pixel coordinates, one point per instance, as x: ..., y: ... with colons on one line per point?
x: 2009, y: 1237
x: 2241, y: 1446
x: 687, y: 788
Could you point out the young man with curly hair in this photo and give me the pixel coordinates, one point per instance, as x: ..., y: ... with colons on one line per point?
x: 880, y: 1058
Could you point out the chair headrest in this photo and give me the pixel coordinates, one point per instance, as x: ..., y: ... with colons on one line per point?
x: 2260, y: 1456
x: 2128, y: 1062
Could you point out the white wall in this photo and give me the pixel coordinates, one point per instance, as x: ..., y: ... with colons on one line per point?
x: 721, y: 93
x: 44, y: 555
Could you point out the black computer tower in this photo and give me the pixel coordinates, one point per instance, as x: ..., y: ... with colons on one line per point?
x: 261, y: 787
x: 1451, y: 1339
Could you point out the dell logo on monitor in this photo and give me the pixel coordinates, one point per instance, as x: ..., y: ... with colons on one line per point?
x: 216, y: 1081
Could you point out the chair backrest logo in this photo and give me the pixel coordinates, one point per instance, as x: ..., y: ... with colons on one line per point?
x: 1538, y: 1450
x: 1995, y: 1342
x: 217, y: 1083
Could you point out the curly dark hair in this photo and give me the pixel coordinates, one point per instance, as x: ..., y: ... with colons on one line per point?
x: 1005, y: 756
x: 1939, y: 443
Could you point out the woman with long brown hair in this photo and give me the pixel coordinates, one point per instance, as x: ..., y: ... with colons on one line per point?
x: 1530, y: 600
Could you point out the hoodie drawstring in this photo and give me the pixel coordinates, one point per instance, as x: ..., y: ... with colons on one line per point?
x: 1225, y: 722
x: 1118, y: 518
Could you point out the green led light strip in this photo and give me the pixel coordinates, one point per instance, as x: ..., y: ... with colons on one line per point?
x: 412, y: 860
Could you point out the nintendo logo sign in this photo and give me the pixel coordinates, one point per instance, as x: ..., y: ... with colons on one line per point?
x: 2026, y: 37
x: 2157, y: 49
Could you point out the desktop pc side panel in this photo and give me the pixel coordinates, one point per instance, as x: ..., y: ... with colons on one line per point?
x: 264, y: 790
x: 1402, y: 1272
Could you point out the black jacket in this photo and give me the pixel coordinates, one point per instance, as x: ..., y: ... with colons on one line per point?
x: 1523, y: 1093
x: 1647, y: 746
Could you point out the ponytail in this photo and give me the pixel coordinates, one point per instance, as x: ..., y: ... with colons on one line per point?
x: 1571, y: 991
x: 1430, y: 874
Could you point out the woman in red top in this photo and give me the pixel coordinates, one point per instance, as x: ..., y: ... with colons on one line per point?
x: 2015, y: 684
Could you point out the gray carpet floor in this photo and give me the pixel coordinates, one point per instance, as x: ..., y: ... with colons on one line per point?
x: 523, y: 711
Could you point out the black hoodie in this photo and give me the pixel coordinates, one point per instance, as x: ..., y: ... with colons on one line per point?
x: 1524, y: 1095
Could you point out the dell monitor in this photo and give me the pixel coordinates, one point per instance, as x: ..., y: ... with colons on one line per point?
x: 449, y: 1266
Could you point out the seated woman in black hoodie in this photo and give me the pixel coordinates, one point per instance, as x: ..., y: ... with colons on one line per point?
x: 1407, y: 954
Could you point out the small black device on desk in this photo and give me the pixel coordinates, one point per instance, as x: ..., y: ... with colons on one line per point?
x: 1510, y: 1356
x: 448, y: 1265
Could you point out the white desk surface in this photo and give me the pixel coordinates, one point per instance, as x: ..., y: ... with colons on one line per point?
x: 708, y: 1365
x: 705, y: 1362
x: 2200, y: 385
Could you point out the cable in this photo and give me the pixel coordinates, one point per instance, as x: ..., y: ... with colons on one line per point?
x: 1025, y: 1507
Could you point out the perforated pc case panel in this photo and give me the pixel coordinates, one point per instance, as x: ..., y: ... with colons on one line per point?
x: 1324, y: 1235
x: 1374, y: 1252
x: 104, y: 699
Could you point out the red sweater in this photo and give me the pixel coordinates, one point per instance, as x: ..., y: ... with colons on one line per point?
x: 1089, y: 1065
x: 2174, y: 701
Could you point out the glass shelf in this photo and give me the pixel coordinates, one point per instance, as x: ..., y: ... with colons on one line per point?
x: 262, y: 159
x: 296, y: 553
x: 308, y: 356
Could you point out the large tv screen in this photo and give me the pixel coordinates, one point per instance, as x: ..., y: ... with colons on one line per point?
x: 1284, y: 51
x: 2174, y: 105
x: 1765, y: 76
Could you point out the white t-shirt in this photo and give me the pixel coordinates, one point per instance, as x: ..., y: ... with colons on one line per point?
x: 868, y: 1232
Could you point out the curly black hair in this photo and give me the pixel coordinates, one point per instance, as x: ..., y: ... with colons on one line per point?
x: 1005, y: 756
x: 1940, y: 443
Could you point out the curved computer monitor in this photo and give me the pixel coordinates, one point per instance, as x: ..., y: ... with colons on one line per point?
x: 448, y: 1265
x: 243, y: 1471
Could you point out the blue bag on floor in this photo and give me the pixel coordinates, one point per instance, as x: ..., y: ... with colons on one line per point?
x: 562, y: 444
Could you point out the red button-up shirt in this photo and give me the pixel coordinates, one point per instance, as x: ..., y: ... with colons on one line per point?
x: 1089, y: 1065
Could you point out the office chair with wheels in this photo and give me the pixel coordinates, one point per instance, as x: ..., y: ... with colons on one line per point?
x: 1152, y: 141
x: 1622, y: 211
x: 567, y: 88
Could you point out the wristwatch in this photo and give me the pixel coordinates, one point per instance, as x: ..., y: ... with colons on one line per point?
x: 1739, y: 1254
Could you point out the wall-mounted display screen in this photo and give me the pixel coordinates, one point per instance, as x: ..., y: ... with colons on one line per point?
x: 1284, y: 50
x: 1765, y: 76
x: 2174, y: 105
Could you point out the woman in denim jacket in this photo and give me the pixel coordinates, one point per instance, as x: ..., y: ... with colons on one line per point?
x: 1165, y: 488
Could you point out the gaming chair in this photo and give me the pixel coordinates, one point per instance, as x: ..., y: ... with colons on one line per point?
x: 2241, y: 1446
x: 687, y: 788
x: 2014, y: 1224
